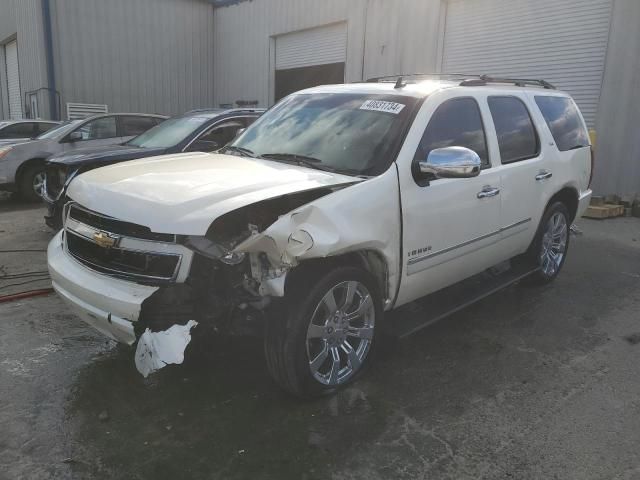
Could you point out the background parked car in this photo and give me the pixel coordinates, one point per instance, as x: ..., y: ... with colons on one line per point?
x: 22, y: 165
x: 198, y: 130
x: 16, y: 131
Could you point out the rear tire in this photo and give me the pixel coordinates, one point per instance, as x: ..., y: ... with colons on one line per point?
x: 551, y: 244
x: 321, y: 335
x: 31, y: 182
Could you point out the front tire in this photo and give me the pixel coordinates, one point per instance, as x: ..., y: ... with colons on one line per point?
x: 324, y: 334
x: 549, y: 248
x: 32, y: 182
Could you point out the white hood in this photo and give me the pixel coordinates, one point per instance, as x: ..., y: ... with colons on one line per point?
x: 184, y: 193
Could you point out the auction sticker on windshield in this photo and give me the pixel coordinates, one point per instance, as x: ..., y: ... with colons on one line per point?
x: 382, y: 106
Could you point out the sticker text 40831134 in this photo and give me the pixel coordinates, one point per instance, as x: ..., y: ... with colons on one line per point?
x: 382, y: 106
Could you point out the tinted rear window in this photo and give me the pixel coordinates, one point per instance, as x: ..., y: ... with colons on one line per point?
x: 563, y: 119
x: 517, y: 137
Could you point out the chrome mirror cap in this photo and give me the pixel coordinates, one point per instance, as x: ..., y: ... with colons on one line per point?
x: 452, y: 162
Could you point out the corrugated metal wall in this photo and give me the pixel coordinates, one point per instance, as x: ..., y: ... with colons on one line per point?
x: 31, y: 55
x: 244, y: 39
x: 618, y: 132
x: 7, y: 30
x: 23, y: 17
x: 152, y: 56
x: 563, y: 42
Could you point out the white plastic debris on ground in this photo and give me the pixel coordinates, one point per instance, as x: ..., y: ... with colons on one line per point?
x: 158, y: 349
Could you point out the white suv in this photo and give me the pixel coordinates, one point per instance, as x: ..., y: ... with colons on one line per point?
x: 338, y: 205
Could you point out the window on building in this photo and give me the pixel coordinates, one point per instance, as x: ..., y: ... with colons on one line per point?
x: 517, y: 137
x: 456, y: 123
x: 563, y: 119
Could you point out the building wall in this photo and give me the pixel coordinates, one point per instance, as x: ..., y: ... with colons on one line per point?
x: 244, y: 35
x: 618, y: 125
x: 7, y: 19
x: 31, y: 53
x: 153, y: 56
x: 22, y: 19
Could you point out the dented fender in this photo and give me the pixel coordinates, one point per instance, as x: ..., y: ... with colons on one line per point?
x: 362, y: 217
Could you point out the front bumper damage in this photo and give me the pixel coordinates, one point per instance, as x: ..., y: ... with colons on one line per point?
x: 108, y: 304
x: 231, y: 271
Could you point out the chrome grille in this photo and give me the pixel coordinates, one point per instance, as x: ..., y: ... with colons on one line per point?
x: 110, y: 224
x: 100, y: 243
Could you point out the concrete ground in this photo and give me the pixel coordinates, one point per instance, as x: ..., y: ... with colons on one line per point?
x: 528, y: 384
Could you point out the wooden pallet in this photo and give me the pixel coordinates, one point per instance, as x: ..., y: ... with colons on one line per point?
x: 604, y: 211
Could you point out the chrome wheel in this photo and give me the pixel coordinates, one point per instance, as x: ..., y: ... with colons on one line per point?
x: 38, y: 183
x: 554, y: 244
x: 340, y: 333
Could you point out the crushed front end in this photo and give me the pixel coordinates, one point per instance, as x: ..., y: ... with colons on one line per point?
x: 123, y: 279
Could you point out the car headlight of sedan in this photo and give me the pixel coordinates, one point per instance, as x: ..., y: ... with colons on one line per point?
x: 4, y: 151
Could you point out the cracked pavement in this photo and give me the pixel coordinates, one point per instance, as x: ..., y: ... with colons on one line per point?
x: 530, y: 383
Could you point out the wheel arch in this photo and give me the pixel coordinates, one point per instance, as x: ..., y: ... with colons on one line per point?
x: 24, y: 165
x: 369, y: 260
x: 569, y: 196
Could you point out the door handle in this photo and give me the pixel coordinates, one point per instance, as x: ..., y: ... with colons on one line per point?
x: 543, y: 175
x: 488, y: 192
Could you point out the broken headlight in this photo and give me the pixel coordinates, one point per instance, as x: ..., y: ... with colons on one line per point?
x: 212, y: 250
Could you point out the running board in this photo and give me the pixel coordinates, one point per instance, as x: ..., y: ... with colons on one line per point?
x: 432, y: 308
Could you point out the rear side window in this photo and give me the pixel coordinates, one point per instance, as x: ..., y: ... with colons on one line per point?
x: 517, y: 137
x: 456, y: 123
x: 18, y: 130
x: 563, y: 119
x: 133, y: 126
x: 44, y: 127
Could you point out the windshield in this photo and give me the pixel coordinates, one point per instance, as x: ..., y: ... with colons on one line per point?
x: 61, y: 129
x: 168, y: 133
x: 349, y: 133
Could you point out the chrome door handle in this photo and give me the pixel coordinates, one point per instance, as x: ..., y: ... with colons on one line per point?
x: 543, y: 175
x: 488, y: 192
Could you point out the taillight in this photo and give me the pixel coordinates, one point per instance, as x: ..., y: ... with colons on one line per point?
x: 593, y: 159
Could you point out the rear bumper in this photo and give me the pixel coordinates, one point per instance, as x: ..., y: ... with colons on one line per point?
x: 583, y: 202
x: 108, y: 304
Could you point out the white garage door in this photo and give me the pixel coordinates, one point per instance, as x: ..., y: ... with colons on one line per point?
x: 13, y: 80
x: 561, y: 41
x: 316, y: 46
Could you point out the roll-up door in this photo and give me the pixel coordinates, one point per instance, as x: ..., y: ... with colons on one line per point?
x: 561, y: 41
x: 13, y: 80
x: 310, y: 57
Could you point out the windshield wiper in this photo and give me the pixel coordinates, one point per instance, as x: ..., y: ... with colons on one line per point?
x: 303, y: 160
x: 241, y: 150
x: 307, y: 161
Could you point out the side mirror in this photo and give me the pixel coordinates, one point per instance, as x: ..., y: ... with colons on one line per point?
x: 74, y: 137
x: 451, y: 162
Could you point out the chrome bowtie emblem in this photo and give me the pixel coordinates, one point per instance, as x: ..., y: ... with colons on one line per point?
x: 105, y: 240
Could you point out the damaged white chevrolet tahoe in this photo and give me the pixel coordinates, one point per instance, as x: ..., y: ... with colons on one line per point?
x: 341, y: 203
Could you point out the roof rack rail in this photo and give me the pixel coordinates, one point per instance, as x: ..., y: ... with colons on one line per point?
x: 394, y: 78
x: 468, y: 80
x: 519, y: 82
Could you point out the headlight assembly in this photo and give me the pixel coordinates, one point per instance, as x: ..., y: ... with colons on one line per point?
x: 212, y: 250
x: 4, y: 151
